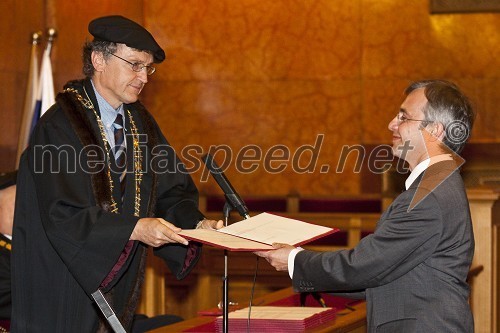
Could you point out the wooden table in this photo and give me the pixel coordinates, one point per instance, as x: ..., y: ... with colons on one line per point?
x: 347, y: 320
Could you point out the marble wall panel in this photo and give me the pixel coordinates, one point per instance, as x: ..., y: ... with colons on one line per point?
x: 236, y: 115
x: 257, y: 40
x: 262, y: 73
x: 9, y: 122
x: 485, y: 98
x: 401, y: 39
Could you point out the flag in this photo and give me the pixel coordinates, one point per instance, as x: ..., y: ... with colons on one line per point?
x: 29, y: 100
x: 46, y: 86
x: 39, y: 95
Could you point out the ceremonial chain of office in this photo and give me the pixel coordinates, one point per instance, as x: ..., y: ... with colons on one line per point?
x: 87, y: 103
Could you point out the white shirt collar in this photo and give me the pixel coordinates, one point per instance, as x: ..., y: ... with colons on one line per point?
x: 422, y: 166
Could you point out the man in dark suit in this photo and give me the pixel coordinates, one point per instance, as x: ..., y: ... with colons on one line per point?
x: 412, y: 270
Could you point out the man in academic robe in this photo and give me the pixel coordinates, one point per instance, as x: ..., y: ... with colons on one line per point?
x: 97, y: 184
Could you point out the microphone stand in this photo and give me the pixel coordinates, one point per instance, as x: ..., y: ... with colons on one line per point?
x: 225, y: 282
x: 228, y: 207
x: 233, y: 202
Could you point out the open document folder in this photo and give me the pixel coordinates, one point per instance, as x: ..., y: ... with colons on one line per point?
x: 259, y: 232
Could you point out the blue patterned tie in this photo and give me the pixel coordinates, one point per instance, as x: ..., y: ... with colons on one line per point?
x: 120, y: 151
x: 121, y: 168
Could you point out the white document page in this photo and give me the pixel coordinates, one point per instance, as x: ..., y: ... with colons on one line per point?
x: 223, y: 240
x: 269, y: 228
x: 259, y: 233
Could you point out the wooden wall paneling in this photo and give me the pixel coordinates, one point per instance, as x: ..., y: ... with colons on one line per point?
x: 485, y: 296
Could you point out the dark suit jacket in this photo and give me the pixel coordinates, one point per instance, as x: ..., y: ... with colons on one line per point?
x: 413, y: 268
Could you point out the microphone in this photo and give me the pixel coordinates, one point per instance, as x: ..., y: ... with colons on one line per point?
x: 232, y: 197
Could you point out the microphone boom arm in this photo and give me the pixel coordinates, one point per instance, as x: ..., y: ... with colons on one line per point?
x: 230, y: 193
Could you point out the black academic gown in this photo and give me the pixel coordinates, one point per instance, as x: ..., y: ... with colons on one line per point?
x: 66, y: 239
x: 5, y: 302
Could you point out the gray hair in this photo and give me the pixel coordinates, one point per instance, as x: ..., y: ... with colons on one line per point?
x: 106, y: 48
x: 447, y: 105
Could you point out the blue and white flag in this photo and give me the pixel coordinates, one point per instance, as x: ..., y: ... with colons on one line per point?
x: 45, y: 94
x: 29, y: 100
x: 39, y: 95
x: 46, y: 83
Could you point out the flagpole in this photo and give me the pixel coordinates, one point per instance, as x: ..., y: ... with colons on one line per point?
x: 30, y: 97
x: 46, y: 94
x: 52, y: 34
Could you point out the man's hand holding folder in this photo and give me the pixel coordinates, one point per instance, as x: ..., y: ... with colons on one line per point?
x: 259, y: 232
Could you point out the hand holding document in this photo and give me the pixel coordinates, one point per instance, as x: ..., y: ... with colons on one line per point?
x: 259, y: 233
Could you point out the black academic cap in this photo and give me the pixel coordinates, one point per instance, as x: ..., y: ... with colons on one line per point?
x: 119, y: 29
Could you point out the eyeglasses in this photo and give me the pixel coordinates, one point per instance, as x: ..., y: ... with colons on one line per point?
x: 137, y: 66
x: 402, y: 118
